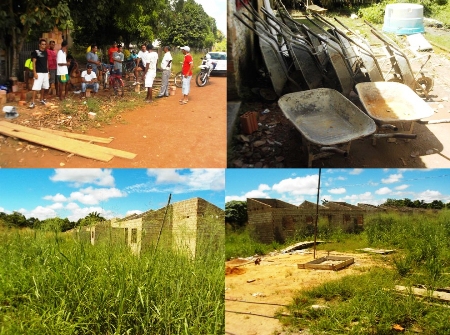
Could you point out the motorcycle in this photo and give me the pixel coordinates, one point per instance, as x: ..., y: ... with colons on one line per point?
x: 206, y: 68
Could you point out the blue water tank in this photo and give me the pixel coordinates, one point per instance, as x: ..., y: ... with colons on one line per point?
x: 403, y: 19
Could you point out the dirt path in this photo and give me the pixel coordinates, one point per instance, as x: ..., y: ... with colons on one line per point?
x: 276, y: 280
x: 163, y: 134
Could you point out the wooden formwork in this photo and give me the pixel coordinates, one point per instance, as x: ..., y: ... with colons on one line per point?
x: 328, y: 263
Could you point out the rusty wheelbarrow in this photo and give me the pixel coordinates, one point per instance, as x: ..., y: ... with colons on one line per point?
x: 327, y: 120
x: 389, y: 103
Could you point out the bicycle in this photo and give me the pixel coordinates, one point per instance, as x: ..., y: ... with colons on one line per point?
x: 178, y: 80
x: 113, y: 80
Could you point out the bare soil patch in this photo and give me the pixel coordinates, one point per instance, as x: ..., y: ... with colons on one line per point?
x: 253, y: 298
x: 162, y: 134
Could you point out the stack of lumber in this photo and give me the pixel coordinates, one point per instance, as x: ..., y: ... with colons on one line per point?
x: 65, y: 141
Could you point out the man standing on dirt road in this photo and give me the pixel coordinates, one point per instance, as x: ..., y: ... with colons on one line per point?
x: 186, y: 71
x: 111, y: 51
x: 40, y: 72
x: 51, y: 55
x: 140, y: 65
x: 151, y: 60
x: 166, y: 66
x: 118, y: 60
x: 62, y: 72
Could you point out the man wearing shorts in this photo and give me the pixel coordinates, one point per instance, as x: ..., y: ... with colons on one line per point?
x: 140, y: 65
x: 151, y: 60
x: 62, y: 72
x: 186, y: 71
x: 40, y: 72
x: 51, y: 55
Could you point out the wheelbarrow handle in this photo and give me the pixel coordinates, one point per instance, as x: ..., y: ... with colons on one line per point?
x: 389, y: 126
x: 409, y: 136
x: 335, y: 150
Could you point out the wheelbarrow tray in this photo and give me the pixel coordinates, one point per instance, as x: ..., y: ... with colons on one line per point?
x: 392, y: 101
x: 325, y: 117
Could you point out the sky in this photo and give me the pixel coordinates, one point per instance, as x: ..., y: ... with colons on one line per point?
x: 371, y: 186
x: 218, y: 10
x: 74, y: 193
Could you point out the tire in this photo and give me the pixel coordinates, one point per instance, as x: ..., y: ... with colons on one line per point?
x: 105, y: 80
x: 178, y: 80
x: 118, y: 87
x: 201, y: 79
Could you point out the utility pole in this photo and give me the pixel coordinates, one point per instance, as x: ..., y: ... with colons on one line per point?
x: 317, y: 213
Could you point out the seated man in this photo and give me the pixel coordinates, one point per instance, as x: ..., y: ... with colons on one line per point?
x: 88, y: 80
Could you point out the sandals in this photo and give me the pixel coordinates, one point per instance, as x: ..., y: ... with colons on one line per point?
x: 183, y: 102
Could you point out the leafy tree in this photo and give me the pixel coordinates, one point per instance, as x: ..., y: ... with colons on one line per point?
x: 20, y: 19
x: 190, y: 26
x: 236, y: 213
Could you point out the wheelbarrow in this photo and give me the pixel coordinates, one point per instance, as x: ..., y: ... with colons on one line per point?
x: 327, y: 121
x: 389, y: 103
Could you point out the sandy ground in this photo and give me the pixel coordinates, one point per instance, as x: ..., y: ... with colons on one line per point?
x: 273, y: 285
x: 162, y: 134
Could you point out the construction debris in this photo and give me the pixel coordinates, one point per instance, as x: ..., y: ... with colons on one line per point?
x: 376, y: 251
x: 328, y: 263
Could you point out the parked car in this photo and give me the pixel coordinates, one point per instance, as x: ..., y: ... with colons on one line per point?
x: 221, y: 59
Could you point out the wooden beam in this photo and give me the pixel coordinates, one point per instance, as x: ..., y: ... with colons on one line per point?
x: 78, y: 136
x: 60, y: 143
x: 445, y: 296
x: 49, y: 139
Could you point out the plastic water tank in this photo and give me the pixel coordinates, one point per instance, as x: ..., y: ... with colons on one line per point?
x: 403, y: 19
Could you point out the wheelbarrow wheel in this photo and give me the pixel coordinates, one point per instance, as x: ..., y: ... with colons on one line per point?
x: 424, y: 85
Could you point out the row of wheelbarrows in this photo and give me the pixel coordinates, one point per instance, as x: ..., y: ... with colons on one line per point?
x: 314, y: 72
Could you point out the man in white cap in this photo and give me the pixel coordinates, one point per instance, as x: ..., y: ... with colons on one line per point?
x: 186, y: 71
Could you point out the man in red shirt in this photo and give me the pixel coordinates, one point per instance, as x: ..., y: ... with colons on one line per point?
x: 111, y: 51
x: 51, y: 56
x: 186, y: 71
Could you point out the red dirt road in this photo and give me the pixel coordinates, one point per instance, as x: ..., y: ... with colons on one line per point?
x: 162, y: 134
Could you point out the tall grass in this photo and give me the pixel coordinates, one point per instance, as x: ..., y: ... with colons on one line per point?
x: 55, y: 284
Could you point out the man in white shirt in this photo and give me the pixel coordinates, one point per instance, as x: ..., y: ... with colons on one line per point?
x: 88, y: 80
x: 140, y: 65
x: 62, y: 72
x: 166, y: 66
x: 151, y: 60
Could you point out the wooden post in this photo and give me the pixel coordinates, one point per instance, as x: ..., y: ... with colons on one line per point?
x: 317, y: 214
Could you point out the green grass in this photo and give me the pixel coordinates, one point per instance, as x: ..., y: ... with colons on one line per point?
x: 55, y: 284
x: 366, y: 303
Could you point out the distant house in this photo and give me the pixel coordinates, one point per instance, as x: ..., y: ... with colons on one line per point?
x: 181, y: 224
x: 275, y: 220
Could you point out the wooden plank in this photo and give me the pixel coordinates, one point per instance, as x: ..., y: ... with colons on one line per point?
x: 86, y: 146
x: 424, y: 293
x: 316, y: 263
x: 60, y: 143
x: 78, y: 136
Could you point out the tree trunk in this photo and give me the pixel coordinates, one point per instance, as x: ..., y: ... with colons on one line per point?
x: 17, y: 42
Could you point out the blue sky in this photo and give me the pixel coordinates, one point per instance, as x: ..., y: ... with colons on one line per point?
x: 218, y: 10
x: 371, y: 186
x: 74, y: 193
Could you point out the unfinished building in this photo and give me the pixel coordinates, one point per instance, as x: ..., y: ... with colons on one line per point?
x: 182, y: 224
x: 275, y: 220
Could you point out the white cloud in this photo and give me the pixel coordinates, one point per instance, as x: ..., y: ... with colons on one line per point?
x: 341, y: 178
x: 72, y: 206
x: 356, y: 171
x: 93, y: 196
x: 393, y: 178
x: 56, y: 198
x: 430, y: 195
x: 355, y: 198
x: 259, y: 193
x: 402, y: 187
x: 56, y: 205
x: 136, y: 211
x: 39, y: 212
x: 383, y: 190
x: 84, y: 176
x: 300, y: 185
x: 337, y: 190
x: 194, y: 180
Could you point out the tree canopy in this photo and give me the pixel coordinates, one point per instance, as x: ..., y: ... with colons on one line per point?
x: 236, y: 213
x: 435, y: 204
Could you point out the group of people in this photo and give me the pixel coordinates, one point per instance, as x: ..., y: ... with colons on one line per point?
x: 48, y: 67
